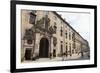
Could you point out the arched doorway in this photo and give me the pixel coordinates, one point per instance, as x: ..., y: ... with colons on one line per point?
x: 44, y: 48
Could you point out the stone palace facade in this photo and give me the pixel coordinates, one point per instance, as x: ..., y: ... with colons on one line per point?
x: 45, y: 34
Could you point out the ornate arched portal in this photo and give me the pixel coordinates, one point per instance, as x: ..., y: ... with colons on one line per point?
x: 44, y: 48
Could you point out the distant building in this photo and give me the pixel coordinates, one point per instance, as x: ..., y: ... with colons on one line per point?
x: 45, y: 34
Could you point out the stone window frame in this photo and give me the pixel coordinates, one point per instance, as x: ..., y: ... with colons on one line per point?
x: 61, y: 32
x: 66, y: 48
x: 61, y: 48
x: 69, y: 35
x: 66, y: 34
x: 31, y: 17
x: 70, y: 49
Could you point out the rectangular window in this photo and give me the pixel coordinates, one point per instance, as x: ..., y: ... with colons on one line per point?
x: 66, y: 35
x: 73, y: 36
x: 70, y: 48
x: 32, y: 18
x: 61, y: 32
x: 69, y: 36
x: 66, y: 48
x: 61, y: 49
x: 61, y: 42
x: 73, y: 51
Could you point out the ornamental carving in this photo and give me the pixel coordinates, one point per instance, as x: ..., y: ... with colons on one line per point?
x: 55, y: 27
x: 47, y: 21
x: 52, y: 29
x: 40, y: 23
x: 28, y: 34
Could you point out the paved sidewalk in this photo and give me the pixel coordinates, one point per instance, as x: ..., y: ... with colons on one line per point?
x: 73, y: 57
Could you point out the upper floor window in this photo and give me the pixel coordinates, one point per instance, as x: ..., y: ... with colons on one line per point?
x: 61, y: 42
x: 70, y: 46
x: 66, y: 34
x: 69, y: 35
x: 55, y: 27
x: 73, y: 36
x: 32, y: 18
x: 61, y: 32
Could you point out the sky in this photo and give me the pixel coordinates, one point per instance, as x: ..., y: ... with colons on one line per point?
x: 79, y: 21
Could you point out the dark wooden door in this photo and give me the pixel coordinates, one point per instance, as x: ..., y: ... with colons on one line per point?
x: 44, y: 48
x: 28, y: 54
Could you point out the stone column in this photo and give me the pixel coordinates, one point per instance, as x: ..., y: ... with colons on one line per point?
x: 51, y: 47
x: 36, y: 45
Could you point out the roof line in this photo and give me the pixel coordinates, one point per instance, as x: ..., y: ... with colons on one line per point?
x: 68, y: 24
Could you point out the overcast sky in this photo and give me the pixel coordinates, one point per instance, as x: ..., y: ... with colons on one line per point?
x: 79, y: 21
